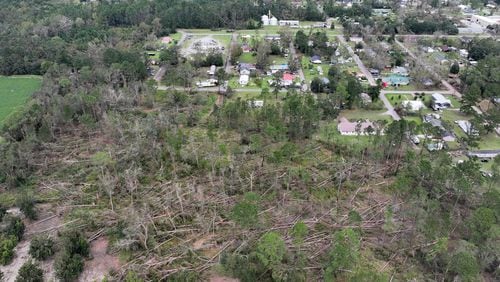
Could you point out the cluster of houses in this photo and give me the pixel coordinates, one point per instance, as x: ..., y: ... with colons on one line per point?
x: 211, y: 81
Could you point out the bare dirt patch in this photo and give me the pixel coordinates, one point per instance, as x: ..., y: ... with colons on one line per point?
x: 45, y: 225
x: 217, y: 278
x: 102, y: 262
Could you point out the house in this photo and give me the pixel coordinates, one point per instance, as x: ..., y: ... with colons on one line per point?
x: 435, y: 121
x: 428, y: 49
x: 400, y: 71
x: 413, y: 105
x: 435, y: 146
x: 375, y: 72
x: 316, y: 59
x: 247, y: 67
x: 244, y: 79
x: 291, y: 23
x: 484, y: 155
x: 245, y: 71
x: 246, y: 49
x: 395, y: 80
x: 207, y: 83
x: 212, y: 69
x: 287, y: 79
x: 345, y: 127
x: 276, y: 68
x: 427, y: 82
x: 166, y: 40
x: 438, y: 102
x: 256, y: 103
x: 467, y: 127
x: 463, y: 53
x: 272, y: 38
x: 269, y: 19
x: 320, y: 70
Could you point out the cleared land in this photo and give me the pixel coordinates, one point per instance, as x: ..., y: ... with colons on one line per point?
x: 14, y: 91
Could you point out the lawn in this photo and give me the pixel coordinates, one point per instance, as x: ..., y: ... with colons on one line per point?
x: 14, y: 92
x: 396, y: 99
x: 365, y: 114
x: 248, y: 58
x: 489, y: 142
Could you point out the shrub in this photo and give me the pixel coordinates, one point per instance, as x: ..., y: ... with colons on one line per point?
x: 29, y: 272
x: 7, y: 245
x: 13, y: 226
x: 26, y: 204
x: 68, y: 266
x: 41, y: 247
x: 75, y: 243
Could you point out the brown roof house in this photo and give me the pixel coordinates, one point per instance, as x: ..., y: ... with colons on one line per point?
x: 346, y: 127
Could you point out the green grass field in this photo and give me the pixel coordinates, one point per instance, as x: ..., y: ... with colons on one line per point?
x: 14, y: 91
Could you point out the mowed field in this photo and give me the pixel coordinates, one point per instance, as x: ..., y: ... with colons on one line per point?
x: 14, y: 92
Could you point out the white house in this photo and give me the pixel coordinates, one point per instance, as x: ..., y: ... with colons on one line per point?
x: 412, y: 105
x: 207, y: 83
x: 438, y: 102
x: 269, y: 19
x: 467, y: 127
x: 212, y: 69
x: 244, y: 78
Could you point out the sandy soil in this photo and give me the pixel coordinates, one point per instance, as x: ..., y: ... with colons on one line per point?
x: 217, y: 278
x: 102, y: 262
x: 47, y: 221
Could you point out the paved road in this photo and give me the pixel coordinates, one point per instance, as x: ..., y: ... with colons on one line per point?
x: 293, y: 53
x: 388, y: 106
x: 358, y: 61
x: 234, y: 41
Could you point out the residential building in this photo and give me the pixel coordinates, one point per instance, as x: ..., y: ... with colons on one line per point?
x: 287, y: 79
x: 276, y: 68
x: 400, y: 71
x: 291, y: 23
x: 212, y: 70
x: 345, y: 127
x: 467, y: 127
x: 244, y: 79
x: 484, y: 155
x: 438, y: 102
x: 207, y: 83
x: 413, y: 105
x: 316, y: 59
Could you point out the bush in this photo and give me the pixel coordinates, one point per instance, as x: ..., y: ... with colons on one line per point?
x: 29, y: 272
x: 68, y: 266
x: 7, y: 245
x: 41, y: 247
x: 75, y: 243
x: 26, y: 204
x: 13, y: 226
